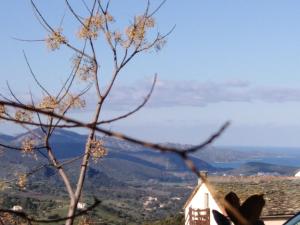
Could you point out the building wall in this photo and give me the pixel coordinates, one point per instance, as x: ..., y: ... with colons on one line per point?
x: 198, y: 202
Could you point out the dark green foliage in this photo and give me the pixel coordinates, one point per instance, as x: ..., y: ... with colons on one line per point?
x: 172, y: 220
x: 251, y: 168
x: 120, y: 205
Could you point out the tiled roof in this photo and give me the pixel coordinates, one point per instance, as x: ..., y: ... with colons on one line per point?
x: 282, y: 195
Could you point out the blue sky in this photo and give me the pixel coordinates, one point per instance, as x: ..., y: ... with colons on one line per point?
x: 226, y: 60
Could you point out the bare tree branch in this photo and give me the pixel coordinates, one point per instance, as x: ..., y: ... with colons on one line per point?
x: 73, y: 12
x: 122, y: 136
x: 33, y: 75
x: 136, y: 109
x: 52, y: 112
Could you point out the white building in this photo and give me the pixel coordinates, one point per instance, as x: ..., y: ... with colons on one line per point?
x: 17, y: 208
x: 200, y: 204
x: 81, y: 206
x: 297, y: 174
x: 282, y: 198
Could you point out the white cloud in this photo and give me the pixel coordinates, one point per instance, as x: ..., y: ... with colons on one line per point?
x: 168, y: 93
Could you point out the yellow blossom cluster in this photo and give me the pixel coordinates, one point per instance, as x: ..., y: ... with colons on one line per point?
x: 92, y: 25
x: 48, y: 103
x: 97, y: 149
x: 136, y: 33
x: 23, y: 116
x: 68, y: 102
x: 117, y: 36
x: 108, y: 17
x: 2, y: 109
x: 22, y: 180
x: 86, y: 68
x: 76, y: 101
x: 55, y: 39
x: 71, y: 101
x: 28, y: 145
x: 3, y: 185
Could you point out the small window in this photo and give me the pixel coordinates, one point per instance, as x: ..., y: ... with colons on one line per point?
x: 206, y: 200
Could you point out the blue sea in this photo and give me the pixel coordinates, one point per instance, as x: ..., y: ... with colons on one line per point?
x: 272, y: 155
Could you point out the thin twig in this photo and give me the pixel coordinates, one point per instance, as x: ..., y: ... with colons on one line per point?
x: 136, y: 109
x: 74, y: 14
x: 34, y: 76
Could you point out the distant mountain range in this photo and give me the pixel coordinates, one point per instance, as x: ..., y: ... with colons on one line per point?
x: 124, y: 180
x: 128, y: 162
x: 260, y: 168
x: 125, y: 162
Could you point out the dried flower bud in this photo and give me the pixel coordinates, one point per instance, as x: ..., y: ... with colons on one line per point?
x: 72, y: 101
x: 28, y: 145
x: 22, y: 180
x: 55, y: 39
x: 148, y: 21
x: 76, y: 102
x: 23, y: 116
x: 117, y: 36
x: 3, y: 185
x: 97, y: 149
x: 2, y: 109
x: 136, y: 33
x: 48, y: 103
x: 109, y: 18
x: 91, y: 27
x: 85, y: 68
x: 126, y: 43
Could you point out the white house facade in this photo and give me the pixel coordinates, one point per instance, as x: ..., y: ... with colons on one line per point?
x: 17, y: 208
x: 199, y: 207
x: 81, y: 205
x: 282, y: 198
